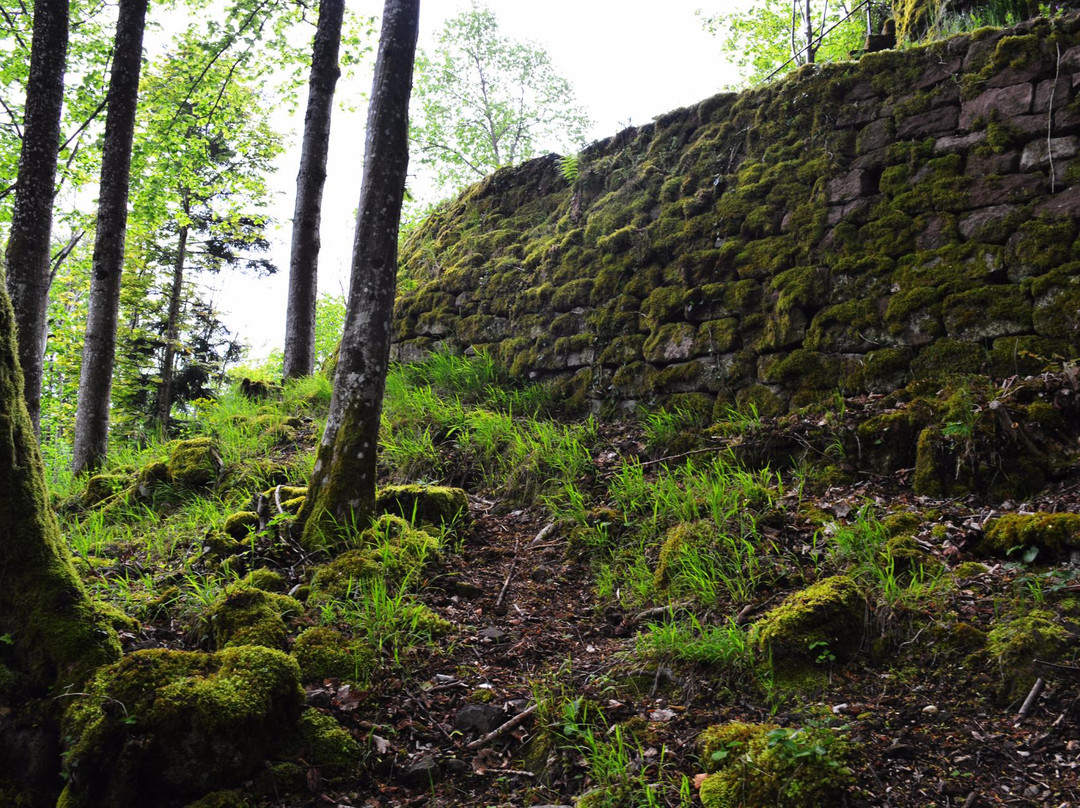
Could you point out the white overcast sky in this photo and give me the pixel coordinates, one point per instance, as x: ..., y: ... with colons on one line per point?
x: 628, y: 61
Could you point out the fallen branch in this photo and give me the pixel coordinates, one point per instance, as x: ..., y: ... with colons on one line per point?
x: 502, y: 730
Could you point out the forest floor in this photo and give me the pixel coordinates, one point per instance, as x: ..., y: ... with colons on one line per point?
x: 590, y: 647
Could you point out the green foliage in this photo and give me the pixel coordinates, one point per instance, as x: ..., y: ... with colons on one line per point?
x: 759, y: 38
x: 482, y: 101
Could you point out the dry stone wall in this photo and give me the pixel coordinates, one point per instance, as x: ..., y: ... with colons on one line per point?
x: 846, y: 229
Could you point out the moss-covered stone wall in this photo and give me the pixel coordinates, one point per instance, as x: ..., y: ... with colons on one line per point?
x: 846, y: 228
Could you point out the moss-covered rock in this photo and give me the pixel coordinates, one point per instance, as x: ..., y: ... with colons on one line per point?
x: 825, y: 621
x: 101, y: 487
x: 161, y: 726
x: 1055, y: 533
x: 760, y: 765
x: 326, y: 744
x: 436, y: 505
x: 324, y: 653
x: 1013, y: 645
x: 240, y: 524
x: 194, y: 463
x: 244, y: 615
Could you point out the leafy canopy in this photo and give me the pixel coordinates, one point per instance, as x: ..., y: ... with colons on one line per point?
x: 482, y: 101
x: 764, y: 34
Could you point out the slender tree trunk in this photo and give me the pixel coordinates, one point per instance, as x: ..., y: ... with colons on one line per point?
x: 304, y: 258
x: 172, y: 331
x: 31, y: 220
x: 342, y: 489
x: 808, y: 31
x: 53, y: 636
x: 99, y: 347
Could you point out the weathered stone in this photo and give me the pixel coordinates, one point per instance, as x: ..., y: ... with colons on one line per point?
x: 984, y: 224
x: 479, y: 718
x: 1051, y: 89
x: 1003, y: 102
x: 1041, y: 153
x: 672, y: 342
x: 958, y: 143
x: 1062, y: 204
x: 851, y: 186
x: 937, y: 73
x: 937, y: 231
x: 982, y: 165
x: 935, y: 122
x: 1011, y: 188
x: 876, y: 135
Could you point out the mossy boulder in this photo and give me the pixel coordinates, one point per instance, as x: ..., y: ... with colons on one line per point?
x: 324, y: 653
x: 338, y: 579
x: 101, y: 487
x: 324, y: 743
x: 764, y: 765
x: 1056, y: 533
x: 824, y: 621
x: 436, y: 505
x: 240, y: 524
x: 160, y: 726
x: 1014, y: 645
x: 244, y: 615
x: 194, y: 463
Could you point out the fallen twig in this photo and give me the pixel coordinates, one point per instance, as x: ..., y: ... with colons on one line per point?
x: 501, y: 730
x: 654, y: 611
x: 1032, y: 697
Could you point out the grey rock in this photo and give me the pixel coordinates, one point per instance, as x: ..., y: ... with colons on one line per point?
x: 479, y: 718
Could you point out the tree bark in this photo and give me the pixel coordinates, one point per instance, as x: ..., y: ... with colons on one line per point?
x: 163, y: 406
x: 31, y: 221
x: 341, y: 495
x: 99, y: 347
x: 304, y: 257
x: 53, y: 637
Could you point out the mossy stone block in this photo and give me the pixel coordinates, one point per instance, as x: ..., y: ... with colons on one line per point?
x: 240, y: 524
x: 437, y: 505
x: 101, y: 487
x: 827, y: 616
x: 194, y: 463
x: 324, y: 653
x: 1057, y: 533
x: 326, y: 744
x: 160, y: 726
x: 244, y: 615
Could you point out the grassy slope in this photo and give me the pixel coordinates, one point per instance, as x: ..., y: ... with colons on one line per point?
x: 674, y: 541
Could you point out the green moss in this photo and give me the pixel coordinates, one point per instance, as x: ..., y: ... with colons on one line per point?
x: 101, y: 487
x: 946, y: 357
x: 244, y: 615
x: 325, y: 744
x: 194, y: 463
x: 265, y: 579
x: 239, y: 524
x: 161, y: 726
x: 827, y: 616
x: 968, y: 569
x: 337, y: 579
x: 1015, y: 532
x: 220, y: 546
x: 424, y: 504
x: 764, y: 765
x: 664, y: 304
x: 324, y: 653
x: 1013, y: 645
x: 757, y: 398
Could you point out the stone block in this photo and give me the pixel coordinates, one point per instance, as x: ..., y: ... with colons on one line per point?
x: 1059, y: 90
x: 1005, y: 102
x: 937, y: 73
x: 958, y: 143
x: 850, y: 186
x: 876, y: 135
x: 1063, y: 204
x: 986, y: 224
x: 1010, y: 188
x: 935, y: 122
x: 980, y: 165
x: 1040, y: 153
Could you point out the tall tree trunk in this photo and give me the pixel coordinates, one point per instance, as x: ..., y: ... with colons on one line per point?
x: 31, y: 220
x: 304, y: 257
x: 163, y: 406
x: 808, y: 31
x: 342, y: 489
x: 53, y: 636
x: 99, y: 347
